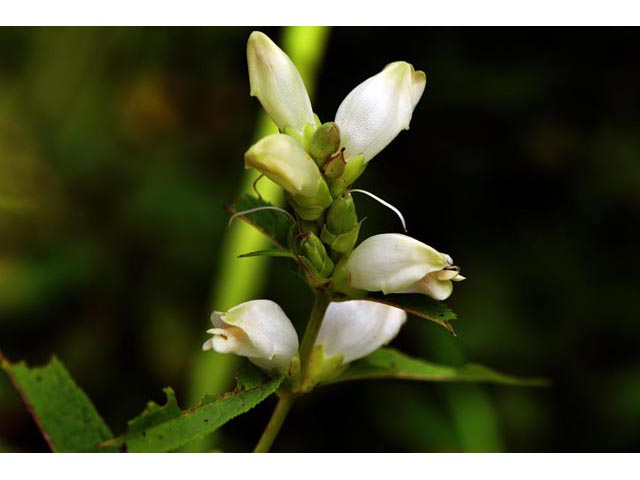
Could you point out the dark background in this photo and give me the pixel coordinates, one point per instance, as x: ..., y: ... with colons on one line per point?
x: 119, y: 147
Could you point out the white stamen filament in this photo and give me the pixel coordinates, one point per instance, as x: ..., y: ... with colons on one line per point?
x: 386, y: 204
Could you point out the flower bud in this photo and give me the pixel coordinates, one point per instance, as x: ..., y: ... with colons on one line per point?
x: 283, y: 160
x: 276, y: 82
x: 314, y: 256
x: 378, y: 109
x: 341, y: 229
x: 395, y: 263
x: 258, y: 330
x: 352, y: 170
x: 335, y: 166
x: 356, y: 328
x: 324, y: 142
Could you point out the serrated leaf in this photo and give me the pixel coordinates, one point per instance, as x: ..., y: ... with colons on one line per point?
x: 274, y: 252
x: 390, y: 363
x: 165, y: 428
x: 419, y: 305
x: 273, y: 223
x: 64, y: 414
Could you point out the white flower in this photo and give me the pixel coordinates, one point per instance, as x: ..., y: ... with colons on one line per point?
x: 375, y: 112
x: 356, y: 328
x: 395, y: 263
x: 369, y: 118
x: 282, y: 159
x: 258, y: 330
x: 276, y: 82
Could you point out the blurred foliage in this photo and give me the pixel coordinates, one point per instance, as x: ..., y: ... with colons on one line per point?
x: 120, y: 146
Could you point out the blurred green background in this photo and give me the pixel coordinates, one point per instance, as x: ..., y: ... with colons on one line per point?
x: 120, y: 146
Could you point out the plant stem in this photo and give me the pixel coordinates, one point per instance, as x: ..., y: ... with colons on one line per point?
x: 286, y: 399
x: 275, y: 423
x: 311, y: 332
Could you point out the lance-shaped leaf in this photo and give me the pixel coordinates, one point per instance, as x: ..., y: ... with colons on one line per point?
x: 419, y: 305
x: 273, y: 223
x: 64, y: 414
x: 165, y: 428
x: 273, y: 252
x: 390, y: 363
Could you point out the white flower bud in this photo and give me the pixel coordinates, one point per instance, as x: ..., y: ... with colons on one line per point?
x: 395, y: 263
x: 276, y: 82
x: 258, y: 330
x: 375, y: 112
x: 282, y: 159
x: 356, y: 328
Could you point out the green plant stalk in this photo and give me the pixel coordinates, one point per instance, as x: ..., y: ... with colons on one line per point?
x: 320, y: 305
x: 275, y: 423
x: 239, y: 280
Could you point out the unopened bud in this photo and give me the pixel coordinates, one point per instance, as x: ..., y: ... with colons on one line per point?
x: 335, y: 166
x: 352, y: 170
x: 342, y: 227
x: 324, y: 142
x: 315, y: 257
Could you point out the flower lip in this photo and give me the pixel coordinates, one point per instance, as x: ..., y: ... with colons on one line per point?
x: 396, y: 263
x: 258, y: 330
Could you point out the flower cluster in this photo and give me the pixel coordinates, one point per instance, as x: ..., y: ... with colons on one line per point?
x: 316, y: 164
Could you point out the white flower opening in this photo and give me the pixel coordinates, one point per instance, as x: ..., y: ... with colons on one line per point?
x: 395, y: 263
x: 258, y: 330
x: 356, y: 328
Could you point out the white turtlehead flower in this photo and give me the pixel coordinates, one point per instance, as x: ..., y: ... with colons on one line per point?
x: 281, y: 158
x: 378, y: 109
x: 395, y: 263
x: 369, y: 118
x: 356, y: 328
x: 258, y: 330
x: 276, y: 82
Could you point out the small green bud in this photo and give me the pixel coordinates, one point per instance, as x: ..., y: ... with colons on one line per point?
x: 335, y: 165
x: 325, y: 142
x: 353, y: 169
x: 315, y: 257
x: 342, y: 228
x: 342, y: 216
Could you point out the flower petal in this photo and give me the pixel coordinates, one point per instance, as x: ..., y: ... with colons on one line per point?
x: 276, y: 82
x: 391, y: 262
x: 356, y: 328
x: 258, y: 330
x: 373, y: 114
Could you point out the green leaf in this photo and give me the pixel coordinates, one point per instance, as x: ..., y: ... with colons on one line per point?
x: 64, y: 414
x: 390, y: 363
x: 274, y: 252
x: 165, y: 428
x: 419, y: 305
x: 273, y: 223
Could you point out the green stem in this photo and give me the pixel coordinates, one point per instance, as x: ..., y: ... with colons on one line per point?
x: 320, y: 306
x: 278, y: 416
x: 275, y: 423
